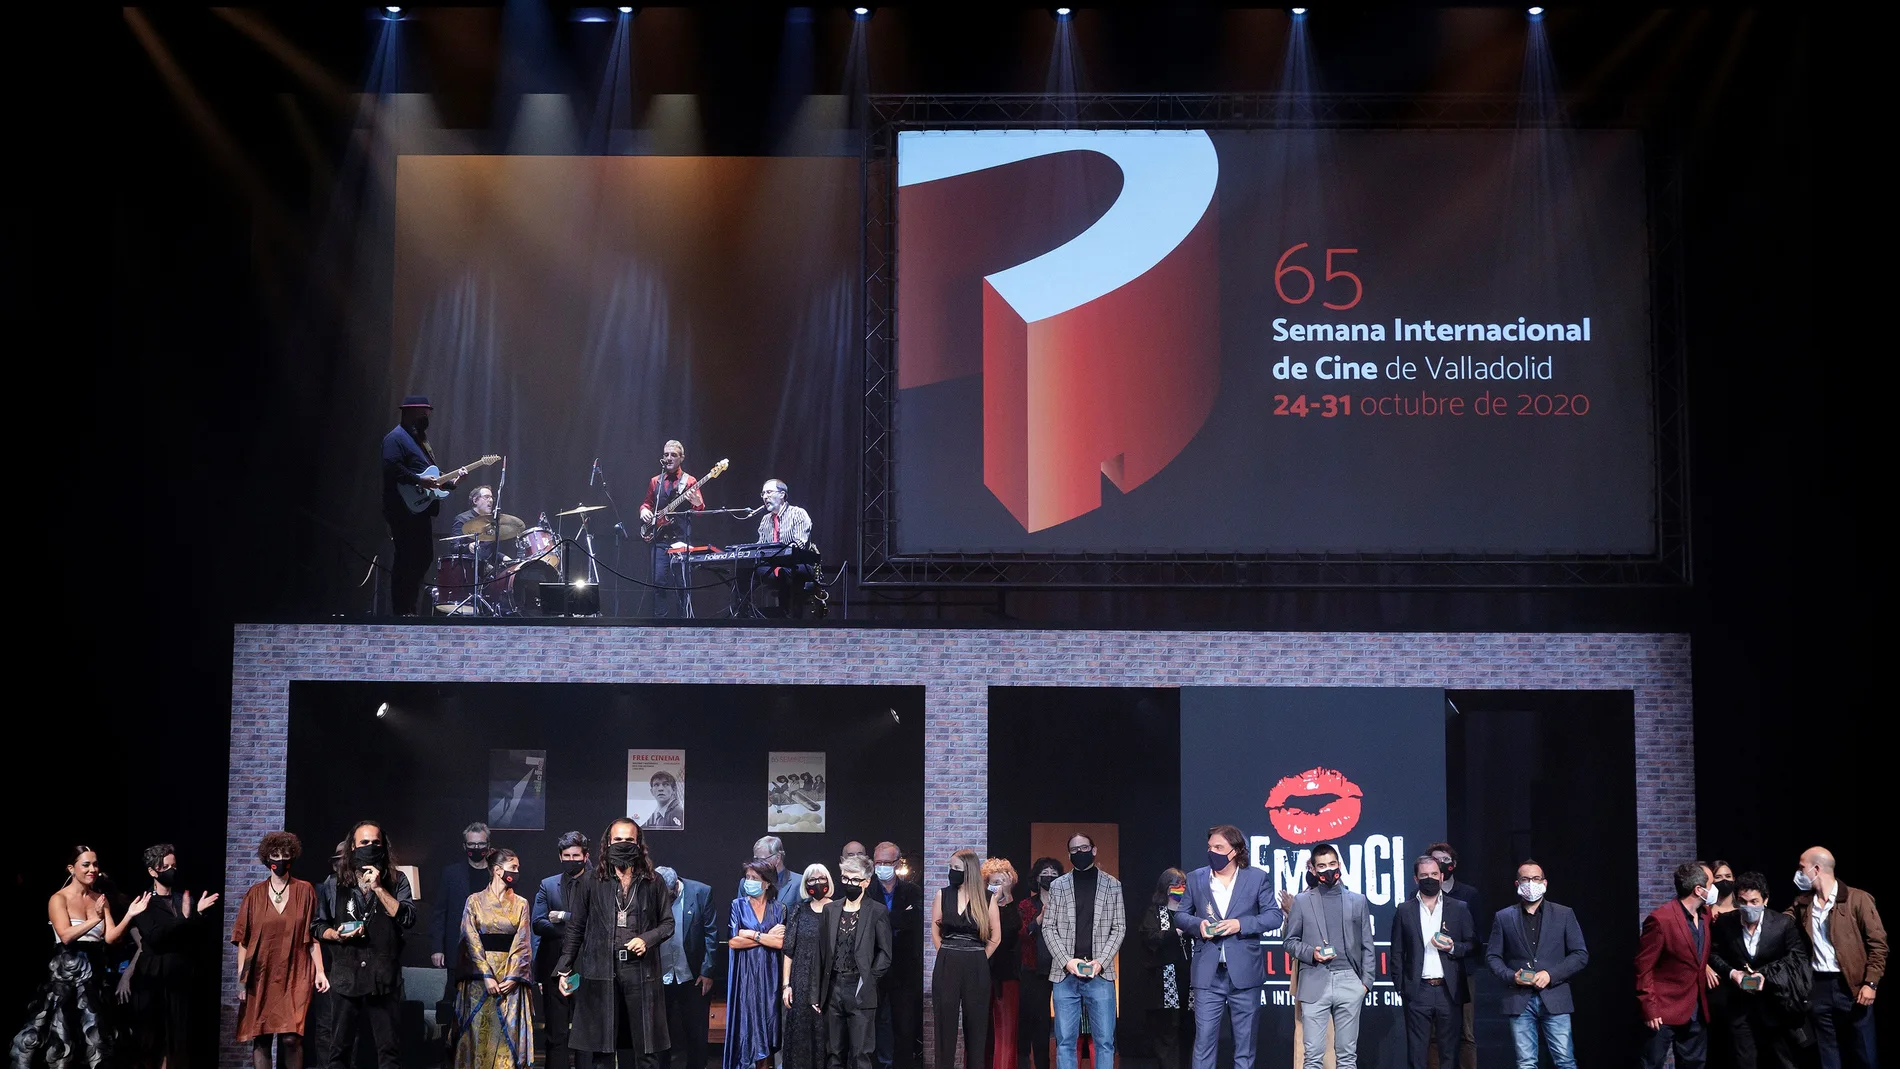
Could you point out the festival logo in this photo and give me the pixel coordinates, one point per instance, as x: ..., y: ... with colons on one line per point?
x: 1316, y: 806
x: 1099, y: 347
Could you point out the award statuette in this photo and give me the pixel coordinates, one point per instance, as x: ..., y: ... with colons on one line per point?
x: 1527, y: 976
x: 1751, y: 981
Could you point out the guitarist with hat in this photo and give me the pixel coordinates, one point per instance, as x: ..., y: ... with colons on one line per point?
x: 406, y: 456
x: 669, y: 525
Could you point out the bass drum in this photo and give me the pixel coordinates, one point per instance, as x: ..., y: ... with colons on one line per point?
x: 524, y: 586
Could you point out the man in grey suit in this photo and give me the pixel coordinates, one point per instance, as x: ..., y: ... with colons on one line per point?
x: 1330, y: 935
x: 1083, y: 922
x: 1226, y: 906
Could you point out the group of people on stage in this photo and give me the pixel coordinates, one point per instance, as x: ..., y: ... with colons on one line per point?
x: 616, y: 952
x: 666, y: 515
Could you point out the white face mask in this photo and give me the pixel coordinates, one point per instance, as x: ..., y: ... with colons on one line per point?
x: 1532, y: 890
x: 1709, y: 894
x: 1801, y: 881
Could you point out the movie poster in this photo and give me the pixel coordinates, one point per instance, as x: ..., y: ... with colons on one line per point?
x: 656, y: 789
x: 795, y: 792
x: 517, y: 790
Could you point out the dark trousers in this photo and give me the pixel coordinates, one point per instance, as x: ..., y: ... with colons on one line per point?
x: 669, y: 586
x: 1173, y: 1033
x: 900, y: 1023
x: 1032, y: 1020
x: 316, y: 1030
x: 347, y: 1013
x: 850, y: 1029
x: 1756, y: 1038
x: 629, y: 1059
x: 1843, y: 1029
x: 686, y: 1015
x: 961, y: 983
x: 1691, y: 1043
x: 1431, y: 1015
x: 557, y: 1016
x: 415, y: 548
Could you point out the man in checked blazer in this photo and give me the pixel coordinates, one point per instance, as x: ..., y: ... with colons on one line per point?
x: 1083, y: 922
x: 1226, y: 906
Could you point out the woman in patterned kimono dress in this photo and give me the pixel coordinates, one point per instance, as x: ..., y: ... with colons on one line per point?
x: 494, y: 1018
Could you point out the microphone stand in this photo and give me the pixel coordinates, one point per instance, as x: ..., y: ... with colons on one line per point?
x: 620, y: 531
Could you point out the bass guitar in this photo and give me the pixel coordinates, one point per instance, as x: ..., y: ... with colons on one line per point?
x: 419, y: 498
x: 650, y: 529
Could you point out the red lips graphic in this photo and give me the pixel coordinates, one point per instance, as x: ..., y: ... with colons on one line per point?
x: 1333, y: 820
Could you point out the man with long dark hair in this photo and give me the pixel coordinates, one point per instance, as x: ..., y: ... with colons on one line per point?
x: 1225, y: 906
x: 620, y: 914
x: 362, y: 911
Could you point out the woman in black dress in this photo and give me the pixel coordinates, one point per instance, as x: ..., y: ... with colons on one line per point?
x: 159, y: 982
x: 1169, y: 998
x: 803, y: 1038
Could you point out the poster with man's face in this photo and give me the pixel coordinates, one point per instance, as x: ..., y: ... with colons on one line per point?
x: 656, y: 789
x: 794, y: 792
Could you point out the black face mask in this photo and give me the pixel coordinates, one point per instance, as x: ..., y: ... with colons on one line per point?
x: 508, y: 879
x: 1081, y: 859
x: 815, y: 889
x: 1725, y: 887
x: 476, y: 853
x: 1429, y: 885
x: 167, y: 877
x: 574, y: 868
x: 624, y: 855
x: 956, y: 877
x: 1326, y: 878
x: 280, y: 866
x: 1044, y: 880
x: 370, y: 855
x: 852, y: 891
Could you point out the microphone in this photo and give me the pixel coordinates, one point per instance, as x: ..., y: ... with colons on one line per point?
x: 596, y: 471
x: 753, y: 513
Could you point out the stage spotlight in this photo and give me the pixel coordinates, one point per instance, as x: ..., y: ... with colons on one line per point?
x: 1064, y: 12
x: 1537, y: 12
x: 382, y: 710
x: 894, y: 718
x: 626, y: 11
x: 393, y: 9
x: 1299, y: 12
x: 861, y: 12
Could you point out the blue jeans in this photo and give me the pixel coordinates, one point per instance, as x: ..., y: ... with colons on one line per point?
x: 1556, y: 1029
x: 1099, y: 994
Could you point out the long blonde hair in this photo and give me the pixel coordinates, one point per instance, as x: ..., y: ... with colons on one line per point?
x: 978, y: 894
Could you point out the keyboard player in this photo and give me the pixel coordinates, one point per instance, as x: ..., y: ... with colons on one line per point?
x: 785, y: 524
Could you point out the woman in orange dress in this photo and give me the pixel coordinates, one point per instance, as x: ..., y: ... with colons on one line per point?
x: 279, y: 964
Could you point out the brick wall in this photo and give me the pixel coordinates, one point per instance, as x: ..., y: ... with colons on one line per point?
x: 956, y: 668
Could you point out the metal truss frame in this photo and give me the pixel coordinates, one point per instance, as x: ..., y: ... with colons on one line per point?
x: 883, y: 567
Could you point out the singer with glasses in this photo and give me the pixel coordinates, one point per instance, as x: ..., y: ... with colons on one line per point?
x: 783, y: 524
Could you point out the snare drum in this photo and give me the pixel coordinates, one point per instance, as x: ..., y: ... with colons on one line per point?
x: 540, y: 544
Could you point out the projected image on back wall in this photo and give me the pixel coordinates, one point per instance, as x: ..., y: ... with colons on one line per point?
x: 1177, y: 340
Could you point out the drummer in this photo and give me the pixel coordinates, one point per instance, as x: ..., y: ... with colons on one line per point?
x: 481, y: 507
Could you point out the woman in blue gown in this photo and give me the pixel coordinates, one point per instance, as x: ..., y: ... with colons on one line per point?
x: 757, y: 924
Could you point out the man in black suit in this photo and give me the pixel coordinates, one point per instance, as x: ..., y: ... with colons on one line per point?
x: 550, y: 925
x: 1431, y: 935
x: 685, y: 962
x: 854, y: 954
x: 1755, y: 952
x: 1465, y: 891
x: 1536, y: 947
x: 900, y: 1005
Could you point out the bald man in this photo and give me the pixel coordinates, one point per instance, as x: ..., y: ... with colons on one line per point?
x: 1849, y: 954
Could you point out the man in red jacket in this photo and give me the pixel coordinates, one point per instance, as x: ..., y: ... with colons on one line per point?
x: 1672, y: 960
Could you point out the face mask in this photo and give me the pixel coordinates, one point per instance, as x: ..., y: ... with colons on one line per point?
x: 1043, y: 881
x: 815, y: 889
x: 852, y: 891
x: 995, y: 887
x: 1326, y: 877
x: 1708, y: 895
x: 476, y: 852
x: 1428, y: 886
x: 1725, y: 888
x: 623, y: 855
x: 1801, y: 881
x: 1082, y: 859
x: 574, y: 868
x: 370, y: 855
x: 167, y: 877
x: 508, y: 878
x: 887, y: 873
x: 956, y: 877
x: 1531, y: 890
x: 752, y: 888
x: 1217, y: 862
x: 279, y: 865
x: 1752, y: 914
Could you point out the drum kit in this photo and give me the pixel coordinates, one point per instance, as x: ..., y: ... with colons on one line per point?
x: 473, y: 579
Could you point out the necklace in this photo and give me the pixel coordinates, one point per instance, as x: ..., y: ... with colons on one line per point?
x: 277, y: 895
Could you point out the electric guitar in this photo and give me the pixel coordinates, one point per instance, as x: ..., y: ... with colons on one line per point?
x: 419, y: 498
x: 651, y: 528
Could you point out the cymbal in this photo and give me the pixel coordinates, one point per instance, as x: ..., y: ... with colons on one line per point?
x: 578, y: 509
x: 478, y: 527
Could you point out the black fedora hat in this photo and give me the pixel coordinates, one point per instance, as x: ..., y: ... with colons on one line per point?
x: 415, y: 400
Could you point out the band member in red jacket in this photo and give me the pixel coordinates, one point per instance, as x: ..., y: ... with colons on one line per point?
x: 670, y: 582
x: 1672, y: 968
